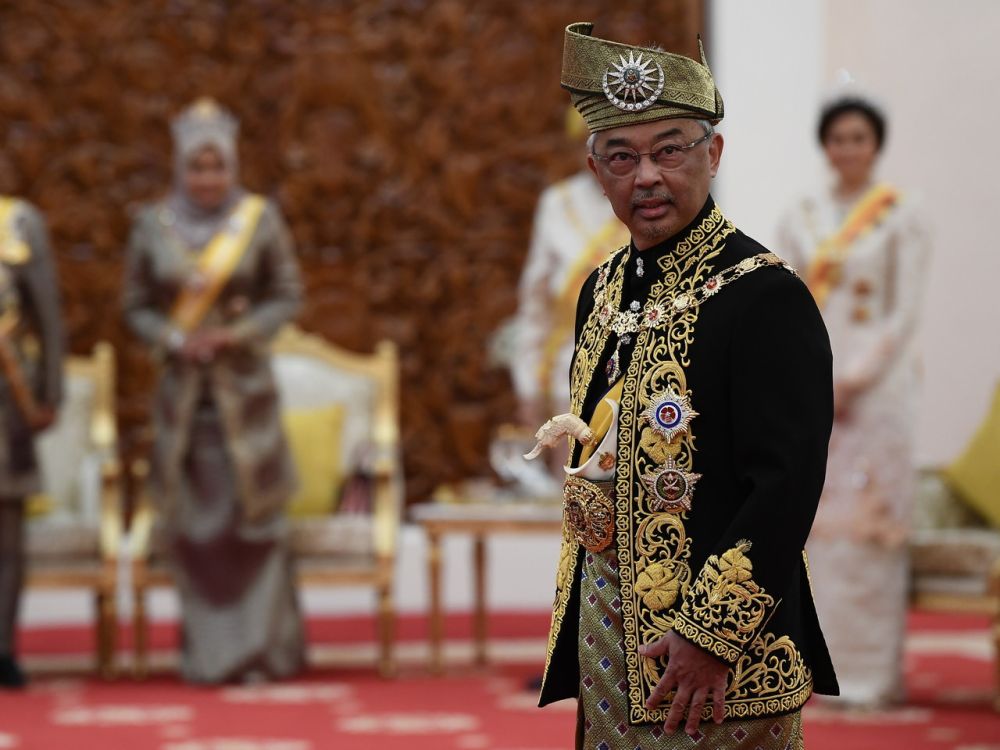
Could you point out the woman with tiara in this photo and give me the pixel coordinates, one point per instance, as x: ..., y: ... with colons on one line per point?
x: 861, y: 249
x: 211, y: 277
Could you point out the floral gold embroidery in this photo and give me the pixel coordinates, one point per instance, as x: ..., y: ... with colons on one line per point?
x: 725, y: 607
x: 658, y: 585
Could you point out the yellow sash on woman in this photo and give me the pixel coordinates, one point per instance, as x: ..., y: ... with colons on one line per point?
x: 610, y: 237
x: 13, y: 249
x: 216, y: 264
x: 824, y: 271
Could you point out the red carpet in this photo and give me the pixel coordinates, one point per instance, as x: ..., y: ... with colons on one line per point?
x: 950, y: 678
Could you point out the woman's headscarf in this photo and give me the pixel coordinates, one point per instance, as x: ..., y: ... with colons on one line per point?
x: 204, y: 123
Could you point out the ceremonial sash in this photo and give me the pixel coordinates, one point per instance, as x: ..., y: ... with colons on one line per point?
x: 823, y: 273
x: 608, y: 238
x: 13, y: 249
x: 216, y: 264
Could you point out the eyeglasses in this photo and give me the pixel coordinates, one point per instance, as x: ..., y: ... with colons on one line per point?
x: 622, y: 162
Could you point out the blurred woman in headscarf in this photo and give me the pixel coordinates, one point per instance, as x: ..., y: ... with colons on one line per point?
x: 31, y: 386
x: 211, y: 277
x: 861, y: 247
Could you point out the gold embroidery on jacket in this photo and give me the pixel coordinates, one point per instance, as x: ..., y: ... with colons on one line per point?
x: 769, y: 678
x: 653, y: 547
x: 592, y: 341
x: 726, y: 607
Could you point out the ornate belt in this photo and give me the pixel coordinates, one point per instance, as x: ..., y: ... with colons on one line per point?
x: 590, y: 512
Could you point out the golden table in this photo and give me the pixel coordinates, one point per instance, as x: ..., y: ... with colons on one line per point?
x: 479, y: 520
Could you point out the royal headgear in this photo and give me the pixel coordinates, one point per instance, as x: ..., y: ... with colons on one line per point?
x: 614, y: 84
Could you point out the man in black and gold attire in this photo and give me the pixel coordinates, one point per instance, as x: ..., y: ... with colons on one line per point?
x: 31, y: 379
x: 701, y: 385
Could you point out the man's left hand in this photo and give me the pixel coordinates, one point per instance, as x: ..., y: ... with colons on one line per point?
x: 697, y: 678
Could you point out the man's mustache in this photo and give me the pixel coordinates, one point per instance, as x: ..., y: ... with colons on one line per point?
x: 649, y: 195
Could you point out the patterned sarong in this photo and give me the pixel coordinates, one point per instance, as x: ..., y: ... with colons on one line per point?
x: 603, y: 713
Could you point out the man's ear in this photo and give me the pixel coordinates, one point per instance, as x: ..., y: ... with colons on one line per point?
x: 592, y: 164
x: 715, y: 152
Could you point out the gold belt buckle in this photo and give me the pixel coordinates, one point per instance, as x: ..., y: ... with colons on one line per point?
x: 590, y: 512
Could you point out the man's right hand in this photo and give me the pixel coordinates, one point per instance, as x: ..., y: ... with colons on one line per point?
x: 697, y: 678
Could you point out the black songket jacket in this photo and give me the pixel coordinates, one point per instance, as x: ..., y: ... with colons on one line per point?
x: 741, y: 350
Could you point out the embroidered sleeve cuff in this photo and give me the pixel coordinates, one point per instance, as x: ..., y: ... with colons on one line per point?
x: 725, y: 608
x: 713, y: 644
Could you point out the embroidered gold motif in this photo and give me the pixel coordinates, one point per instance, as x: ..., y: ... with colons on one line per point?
x: 658, y: 584
x: 647, y: 537
x: 726, y: 607
x: 589, y: 512
x: 770, y: 678
x: 592, y: 340
x: 565, y: 572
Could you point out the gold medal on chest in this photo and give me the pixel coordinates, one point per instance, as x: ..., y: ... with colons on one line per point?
x: 671, y: 488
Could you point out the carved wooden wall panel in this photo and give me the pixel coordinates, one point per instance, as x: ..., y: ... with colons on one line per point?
x: 406, y: 141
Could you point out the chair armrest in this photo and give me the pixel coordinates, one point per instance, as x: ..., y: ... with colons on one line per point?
x: 141, y: 531
x: 386, y: 509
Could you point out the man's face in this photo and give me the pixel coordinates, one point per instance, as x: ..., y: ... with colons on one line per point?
x: 654, y: 202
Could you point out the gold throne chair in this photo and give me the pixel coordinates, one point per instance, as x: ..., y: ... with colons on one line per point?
x: 74, y: 531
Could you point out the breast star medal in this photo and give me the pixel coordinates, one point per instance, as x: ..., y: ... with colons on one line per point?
x: 670, y: 414
x: 671, y: 487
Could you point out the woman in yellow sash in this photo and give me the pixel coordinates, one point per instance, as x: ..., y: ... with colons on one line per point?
x: 574, y: 231
x: 860, y: 248
x: 211, y: 277
x: 31, y: 360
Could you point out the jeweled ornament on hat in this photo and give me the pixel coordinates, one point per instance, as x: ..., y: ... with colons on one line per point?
x: 671, y: 487
x: 670, y: 414
x: 632, y: 86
